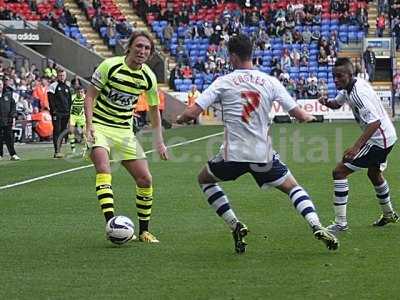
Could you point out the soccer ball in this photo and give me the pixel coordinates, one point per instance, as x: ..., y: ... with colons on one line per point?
x: 120, y: 229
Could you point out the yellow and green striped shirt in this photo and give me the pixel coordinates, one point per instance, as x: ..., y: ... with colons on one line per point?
x: 77, y: 105
x: 119, y: 88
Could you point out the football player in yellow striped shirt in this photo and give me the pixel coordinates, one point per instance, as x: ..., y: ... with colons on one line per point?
x: 116, y: 85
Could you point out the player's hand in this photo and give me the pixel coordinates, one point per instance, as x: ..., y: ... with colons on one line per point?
x: 179, y: 119
x: 310, y: 118
x: 350, y: 153
x: 323, y: 100
x: 90, y: 135
x: 162, y: 150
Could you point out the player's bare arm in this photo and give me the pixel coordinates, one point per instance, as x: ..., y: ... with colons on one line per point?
x: 301, y: 115
x: 190, y: 113
x: 331, y: 104
x: 155, y: 120
x: 351, y: 152
x: 89, y: 102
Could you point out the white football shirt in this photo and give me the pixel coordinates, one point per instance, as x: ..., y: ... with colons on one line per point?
x: 246, y: 97
x: 367, y: 108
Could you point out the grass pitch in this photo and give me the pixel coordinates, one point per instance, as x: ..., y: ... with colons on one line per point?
x: 53, y: 242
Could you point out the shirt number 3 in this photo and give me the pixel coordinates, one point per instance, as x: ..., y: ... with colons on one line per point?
x: 252, y: 101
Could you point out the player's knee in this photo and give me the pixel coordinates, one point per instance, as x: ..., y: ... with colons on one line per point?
x: 144, y: 180
x: 338, y: 174
x: 375, y: 177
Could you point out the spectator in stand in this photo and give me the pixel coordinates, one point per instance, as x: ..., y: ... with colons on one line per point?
x: 7, y: 121
x: 4, y: 49
x: 199, y: 65
x: 396, y: 31
x: 380, y: 25
x: 167, y: 35
x: 322, y: 88
x: 186, y: 72
x: 301, y: 88
x: 286, y: 62
x: 332, y: 58
x: 370, y: 62
x: 295, y: 57
x: 291, y: 87
x: 287, y: 37
x: 306, y: 35
x: 50, y: 71
x: 312, y: 89
x: 181, y: 55
x: 276, y: 71
x: 40, y: 92
x: 322, y: 57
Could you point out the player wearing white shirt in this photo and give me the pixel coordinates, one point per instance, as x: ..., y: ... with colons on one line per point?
x: 246, y: 97
x: 369, y: 151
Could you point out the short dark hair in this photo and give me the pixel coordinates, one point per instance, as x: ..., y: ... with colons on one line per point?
x: 240, y: 45
x: 135, y: 35
x: 345, y: 62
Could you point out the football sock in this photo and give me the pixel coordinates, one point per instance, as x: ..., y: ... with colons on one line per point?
x: 304, y: 205
x: 382, y: 193
x: 341, y: 190
x: 219, y: 201
x: 105, y: 194
x: 144, y: 202
x: 71, y: 138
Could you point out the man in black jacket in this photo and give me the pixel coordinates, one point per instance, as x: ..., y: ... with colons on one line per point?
x: 370, y: 62
x: 60, y: 101
x: 7, y: 120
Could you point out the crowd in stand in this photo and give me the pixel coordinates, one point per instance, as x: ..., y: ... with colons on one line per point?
x: 267, y: 27
x: 110, y: 27
x: 29, y: 85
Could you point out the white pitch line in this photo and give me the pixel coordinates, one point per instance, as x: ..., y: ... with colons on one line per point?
x: 91, y: 165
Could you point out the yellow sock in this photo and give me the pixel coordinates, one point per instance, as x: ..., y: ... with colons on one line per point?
x: 105, y: 194
x: 144, y: 202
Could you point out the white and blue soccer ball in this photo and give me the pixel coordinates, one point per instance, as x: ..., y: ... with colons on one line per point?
x: 120, y: 229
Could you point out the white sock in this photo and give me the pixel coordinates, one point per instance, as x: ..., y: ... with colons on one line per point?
x: 383, y: 195
x: 341, y: 190
x: 219, y: 201
x: 304, y: 205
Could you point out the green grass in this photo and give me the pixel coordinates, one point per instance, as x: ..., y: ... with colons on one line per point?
x: 53, y: 246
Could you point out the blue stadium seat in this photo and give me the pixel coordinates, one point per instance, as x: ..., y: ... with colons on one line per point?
x: 352, y: 37
x: 313, y: 69
x: 334, y: 22
x: 303, y: 69
x: 353, y: 28
x: 178, y: 81
x: 334, y: 28
x: 343, y: 37
x: 303, y: 74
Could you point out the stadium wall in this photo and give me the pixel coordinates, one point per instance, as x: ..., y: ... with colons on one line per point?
x: 36, y: 58
x: 67, y: 52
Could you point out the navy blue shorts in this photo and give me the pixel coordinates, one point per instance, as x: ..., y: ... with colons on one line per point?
x: 273, y: 173
x: 369, y: 156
